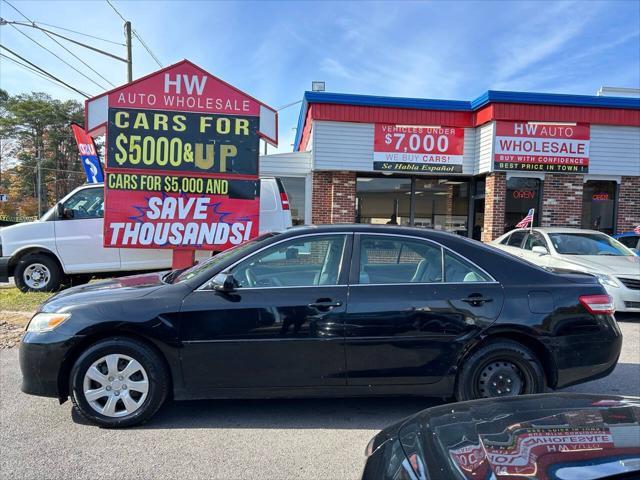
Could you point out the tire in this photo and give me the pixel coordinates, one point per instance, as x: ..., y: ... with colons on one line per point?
x: 500, y: 369
x: 37, y: 272
x: 114, y: 403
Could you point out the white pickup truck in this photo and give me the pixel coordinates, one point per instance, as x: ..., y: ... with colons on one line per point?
x: 65, y: 245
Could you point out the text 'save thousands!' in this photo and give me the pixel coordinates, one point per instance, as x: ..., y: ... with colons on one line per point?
x: 539, y: 146
x: 415, y: 148
x: 181, y: 180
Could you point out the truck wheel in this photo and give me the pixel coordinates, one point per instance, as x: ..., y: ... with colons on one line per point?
x: 37, y: 273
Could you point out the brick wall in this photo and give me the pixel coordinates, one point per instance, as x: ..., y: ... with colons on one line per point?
x: 628, y: 204
x: 494, y: 206
x: 333, y: 199
x: 562, y: 200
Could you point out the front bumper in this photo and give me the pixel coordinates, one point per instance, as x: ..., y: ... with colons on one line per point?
x: 42, y: 356
x: 4, y: 269
x: 625, y: 299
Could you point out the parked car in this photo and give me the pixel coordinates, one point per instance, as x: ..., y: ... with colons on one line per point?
x: 615, y: 266
x: 336, y: 310
x: 631, y: 240
x: 558, y: 436
x: 41, y: 255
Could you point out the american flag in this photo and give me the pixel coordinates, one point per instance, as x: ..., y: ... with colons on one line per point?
x: 637, y: 230
x: 526, y: 220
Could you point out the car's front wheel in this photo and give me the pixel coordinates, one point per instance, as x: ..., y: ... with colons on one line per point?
x: 118, y: 382
x: 500, y: 369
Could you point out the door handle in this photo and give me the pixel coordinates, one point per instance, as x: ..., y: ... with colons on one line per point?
x: 477, y: 300
x: 325, y: 304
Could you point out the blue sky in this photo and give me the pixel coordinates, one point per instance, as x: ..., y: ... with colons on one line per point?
x: 273, y: 50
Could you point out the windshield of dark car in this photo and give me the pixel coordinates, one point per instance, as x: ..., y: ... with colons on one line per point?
x: 217, y: 259
x: 587, y: 244
x: 587, y: 443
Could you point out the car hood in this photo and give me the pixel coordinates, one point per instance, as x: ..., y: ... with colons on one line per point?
x: 114, y: 289
x: 523, y: 436
x: 613, y: 265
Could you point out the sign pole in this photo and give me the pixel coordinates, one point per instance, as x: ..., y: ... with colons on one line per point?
x: 127, y: 32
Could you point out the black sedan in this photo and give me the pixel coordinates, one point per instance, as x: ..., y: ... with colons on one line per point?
x: 546, y: 437
x: 339, y: 310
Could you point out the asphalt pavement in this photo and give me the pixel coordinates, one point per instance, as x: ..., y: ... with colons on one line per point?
x: 275, y: 439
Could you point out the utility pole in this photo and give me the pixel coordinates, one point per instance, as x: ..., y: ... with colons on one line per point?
x: 39, y: 178
x: 127, y: 33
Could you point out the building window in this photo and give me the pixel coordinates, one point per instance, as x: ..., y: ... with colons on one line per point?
x: 442, y: 204
x: 598, y: 205
x: 523, y: 194
x: 294, y: 186
x: 383, y: 200
x: 439, y: 203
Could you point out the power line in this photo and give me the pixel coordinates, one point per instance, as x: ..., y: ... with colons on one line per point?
x: 80, y: 33
x: 44, y: 71
x: 137, y: 35
x: 35, y: 72
x: 65, y: 48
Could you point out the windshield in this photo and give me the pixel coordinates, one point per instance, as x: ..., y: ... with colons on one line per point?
x: 546, y: 439
x: 587, y: 244
x: 217, y: 259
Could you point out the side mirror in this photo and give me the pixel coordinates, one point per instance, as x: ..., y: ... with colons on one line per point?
x: 60, y: 211
x: 224, y: 282
x: 540, y: 250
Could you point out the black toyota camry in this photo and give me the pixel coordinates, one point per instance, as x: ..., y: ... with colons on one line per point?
x: 339, y: 310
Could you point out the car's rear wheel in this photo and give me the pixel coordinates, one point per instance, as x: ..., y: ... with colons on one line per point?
x: 37, y: 272
x: 500, y: 369
x: 118, y: 382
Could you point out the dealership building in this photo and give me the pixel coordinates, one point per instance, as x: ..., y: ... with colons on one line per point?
x: 471, y: 167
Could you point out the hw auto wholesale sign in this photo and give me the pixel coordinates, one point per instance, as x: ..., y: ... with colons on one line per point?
x: 542, y: 147
x: 182, y: 162
x: 414, y: 148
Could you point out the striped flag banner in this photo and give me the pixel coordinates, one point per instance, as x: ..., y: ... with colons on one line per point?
x: 526, y: 220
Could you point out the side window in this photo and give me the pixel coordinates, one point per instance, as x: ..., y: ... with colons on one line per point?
x: 394, y: 260
x: 87, y: 203
x: 267, y: 196
x: 629, y: 242
x: 535, y: 240
x: 457, y: 269
x: 505, y: 240
x: 515, y: 240
x: 302, y: 262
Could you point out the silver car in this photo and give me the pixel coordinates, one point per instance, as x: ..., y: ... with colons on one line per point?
x: 590, y: 251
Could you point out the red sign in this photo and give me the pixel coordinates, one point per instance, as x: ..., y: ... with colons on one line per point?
x: 600, y: 196
x: 161, y: 220
x: 524, y: 194
x: 182, y: 162
x: 542, y: 147
x: 418, y: 148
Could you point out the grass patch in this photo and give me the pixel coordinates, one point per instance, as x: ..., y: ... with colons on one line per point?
x: 14, y: 300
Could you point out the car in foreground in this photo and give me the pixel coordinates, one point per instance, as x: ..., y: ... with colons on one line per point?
x: 65, y: 246
x: 558, y: 436
x: 631, y: 240
x: 336, y: 310
x: 616, y: 267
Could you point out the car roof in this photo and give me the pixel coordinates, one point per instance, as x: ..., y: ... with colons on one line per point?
x: 557, y: 230
x: 373, y: 228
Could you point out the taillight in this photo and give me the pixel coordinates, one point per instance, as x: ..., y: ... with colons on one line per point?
x: 598, y: 304
x: 285, y: 201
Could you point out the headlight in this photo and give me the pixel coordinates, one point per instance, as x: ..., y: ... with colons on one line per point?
x: 607, y: 280
x: 43, y: 322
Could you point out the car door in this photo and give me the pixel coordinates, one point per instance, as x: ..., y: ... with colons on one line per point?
x: 413, y: 306
x: 79, y: 234
x: 282, y: 326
